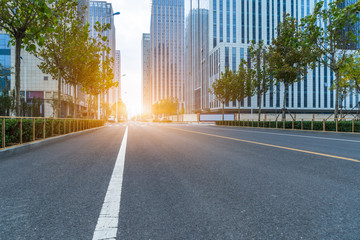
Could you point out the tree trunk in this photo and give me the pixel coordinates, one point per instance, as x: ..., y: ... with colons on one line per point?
x: 259, y: 113
x: 284, y: 103
x: 88, y: 107
x: 223, y: 110
x: 75, y: 98
x: 18, y: 43
x: 336, y: 110
x: 59, y: 94
x: 341, y: 107
x: 239, y: 110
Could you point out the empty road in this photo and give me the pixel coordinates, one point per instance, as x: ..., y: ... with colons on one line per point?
x: 184, y: 181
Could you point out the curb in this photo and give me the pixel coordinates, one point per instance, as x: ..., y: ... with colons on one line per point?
x: 10, y: 151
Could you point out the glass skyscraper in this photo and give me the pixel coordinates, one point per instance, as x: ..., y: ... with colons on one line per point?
x: 102, y: 12
x: 167, y: 47
x: 145, y: 73
x: 232, y: 25
x: 196, y: 64
x: 5, y: 62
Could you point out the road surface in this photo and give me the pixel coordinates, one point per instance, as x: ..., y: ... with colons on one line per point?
x: 184, y: 181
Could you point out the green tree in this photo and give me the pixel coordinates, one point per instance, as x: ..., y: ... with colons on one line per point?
x: 167, y: 107
x: 57, y: 50
x: 241, y: 85
x: 350, y: 72
x: 334, y: 41
x: 260, y: 64
x: 288, y: 56
x: 25, y: 21
x: 222, y: 88
x: 97, y: 72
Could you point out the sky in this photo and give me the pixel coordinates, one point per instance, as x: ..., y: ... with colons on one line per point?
x: 133, y: 21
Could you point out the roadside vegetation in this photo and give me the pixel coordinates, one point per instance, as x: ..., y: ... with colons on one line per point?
x: 53, y: 30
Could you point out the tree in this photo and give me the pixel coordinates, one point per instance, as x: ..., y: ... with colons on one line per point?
x: 25, y: 21
x: 222, y: 88
x: 57, y: 50
x: 335, y: 38
x: 259, y: 62
x: 350, y: 72
x: 288, y: 56
x: 167, y: 107
x: 242, y: 86
x: 98, y: 74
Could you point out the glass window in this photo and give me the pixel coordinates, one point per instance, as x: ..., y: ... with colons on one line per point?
x: 227, y: 20
x: 234, y: 21
x: 226, y: 57
x: 221, y: 21
x: 234, y: 59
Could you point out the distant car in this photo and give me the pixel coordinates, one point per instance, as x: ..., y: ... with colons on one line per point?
x: 111, y: 119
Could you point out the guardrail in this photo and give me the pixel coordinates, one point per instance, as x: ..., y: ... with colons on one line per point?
x: 332, y: 125
x: 19, y: 130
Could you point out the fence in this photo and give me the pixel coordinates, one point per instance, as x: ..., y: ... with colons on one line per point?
x: 19, y: 130
x: 344, y: 125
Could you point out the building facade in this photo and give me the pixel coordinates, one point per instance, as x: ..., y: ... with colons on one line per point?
x: 232, y: 25
x: 167, y: 47
x: 145, y: 73
x: 117, y: 69
x: 196, y: 63
x: 5, y: 62
x: 102, y: 12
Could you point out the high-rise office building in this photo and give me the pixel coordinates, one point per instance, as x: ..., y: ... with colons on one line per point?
x: 34, y: 83
x: 5, y: 62
x: 233, y: 24
x: 167, y: 47
x: 196, y: 63
x: 102, y: 12
x: 145, y: 73
x: 117, y: 75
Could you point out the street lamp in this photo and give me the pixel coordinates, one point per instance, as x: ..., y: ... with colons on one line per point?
x: 114, y: 14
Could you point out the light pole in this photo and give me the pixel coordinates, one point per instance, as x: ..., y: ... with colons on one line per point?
x: 114, y: 14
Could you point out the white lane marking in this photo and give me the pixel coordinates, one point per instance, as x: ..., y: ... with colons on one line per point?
x: 292, y: 135
x: 107, y: 224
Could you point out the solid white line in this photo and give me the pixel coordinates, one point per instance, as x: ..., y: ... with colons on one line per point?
x: 107, y: 224
x: 292, y: 135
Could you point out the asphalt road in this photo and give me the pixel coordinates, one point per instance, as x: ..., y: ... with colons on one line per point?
x: 187, y: 182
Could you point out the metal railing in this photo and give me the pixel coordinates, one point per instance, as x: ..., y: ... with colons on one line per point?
x: 325, y: 125
x: 19, y: 130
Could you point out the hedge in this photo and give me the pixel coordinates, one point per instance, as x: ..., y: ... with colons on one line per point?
x: 343, y: 126
x: 53, y: 127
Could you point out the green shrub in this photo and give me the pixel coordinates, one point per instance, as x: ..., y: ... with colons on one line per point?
x: 12, y: 128
x: 343, y: 126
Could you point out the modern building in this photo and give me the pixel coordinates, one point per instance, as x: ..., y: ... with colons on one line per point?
x: 5, y: 62
x: 117, y: 74
x: 232, y: 25
x: 167, y: 47
x: 102, y: 12
x: 146, y: 73
x: 196, y: 63
x: 34, y: 83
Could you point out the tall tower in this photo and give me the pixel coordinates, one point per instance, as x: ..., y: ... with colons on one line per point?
x: 145, y: 73
x: 167, y: 61
x: 102, y: 12
x: 196, y: 66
